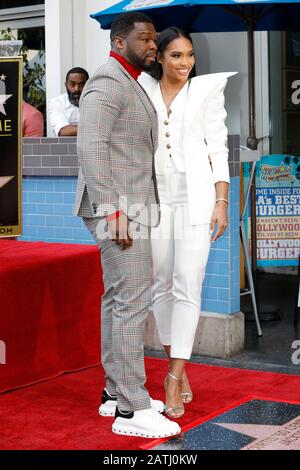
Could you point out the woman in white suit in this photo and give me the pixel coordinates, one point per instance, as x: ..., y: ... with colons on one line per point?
x: 192, y: 177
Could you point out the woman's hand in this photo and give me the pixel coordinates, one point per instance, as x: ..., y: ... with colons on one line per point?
x: 219, y: 218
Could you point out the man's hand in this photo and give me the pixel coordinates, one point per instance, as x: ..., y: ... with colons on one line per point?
x: 68, y: 131
x: 219, y: 218
x: 119, y: 231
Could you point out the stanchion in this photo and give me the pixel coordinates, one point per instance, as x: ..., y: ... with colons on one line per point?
x: 249, y: 156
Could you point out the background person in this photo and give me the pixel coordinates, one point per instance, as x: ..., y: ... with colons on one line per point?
x: 64, y: 109
x: 32, y: 121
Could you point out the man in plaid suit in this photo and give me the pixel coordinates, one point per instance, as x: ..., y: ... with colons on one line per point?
x: 117, y: 198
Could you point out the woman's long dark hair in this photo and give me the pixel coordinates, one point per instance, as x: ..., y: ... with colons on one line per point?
x: 164, y: 39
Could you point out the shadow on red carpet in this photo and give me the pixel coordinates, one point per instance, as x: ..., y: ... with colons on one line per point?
x: 62, y: 413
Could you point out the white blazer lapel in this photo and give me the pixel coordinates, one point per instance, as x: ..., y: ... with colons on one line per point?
x: 148, y: 83
x: 199, y: 89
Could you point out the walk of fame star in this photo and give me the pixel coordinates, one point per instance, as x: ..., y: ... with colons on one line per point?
x: 256, y: 424
x: 269, y: 437
x: 3, y: 99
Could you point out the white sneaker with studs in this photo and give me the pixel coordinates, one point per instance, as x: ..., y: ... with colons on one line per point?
x: 144, y: 423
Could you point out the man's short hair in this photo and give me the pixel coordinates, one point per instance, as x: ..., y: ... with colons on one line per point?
x: 77, y: 70
x: 124, y: 23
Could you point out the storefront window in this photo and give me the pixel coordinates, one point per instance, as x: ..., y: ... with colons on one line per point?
x: 285, y: 92
x: 291, y: 97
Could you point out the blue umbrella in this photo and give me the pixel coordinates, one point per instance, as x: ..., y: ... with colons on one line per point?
x: 216, y: 16
x: 211, y: 15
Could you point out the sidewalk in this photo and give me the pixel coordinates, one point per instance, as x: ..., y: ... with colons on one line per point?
x: 273, y: 351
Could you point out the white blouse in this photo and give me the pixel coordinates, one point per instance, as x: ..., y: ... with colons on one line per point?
x: 170, y: 137
x: 62, y: 113
x: 203, y: 134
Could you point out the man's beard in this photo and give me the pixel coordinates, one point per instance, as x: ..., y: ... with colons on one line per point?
x: 74, y: 98
x: 139, y: 63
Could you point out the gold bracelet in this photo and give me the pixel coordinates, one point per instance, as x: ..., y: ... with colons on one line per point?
x: 222, y: 199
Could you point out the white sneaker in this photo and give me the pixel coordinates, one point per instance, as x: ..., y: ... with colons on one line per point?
x: 109, y: 404
x: 144, y: 423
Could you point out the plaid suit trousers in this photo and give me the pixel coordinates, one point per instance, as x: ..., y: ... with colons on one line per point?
x: 124, y: 309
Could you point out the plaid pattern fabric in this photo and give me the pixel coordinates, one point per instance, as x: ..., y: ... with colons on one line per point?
x: 125, y: 307
x: 117, y: 140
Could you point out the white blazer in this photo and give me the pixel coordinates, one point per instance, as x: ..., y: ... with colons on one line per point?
x: 205, y: 136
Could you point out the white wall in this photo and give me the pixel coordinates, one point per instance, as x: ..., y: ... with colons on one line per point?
x: 65, y: 41
x: 212, y: 56
x: 97, y: 40
x: 223, y: 52
x: 79, y: 33
x: 73, y: 39
x: 53, y: 55
x: 59, y: 45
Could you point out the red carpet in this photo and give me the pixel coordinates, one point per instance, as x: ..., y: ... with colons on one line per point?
x: 50, y: 304
x: 63, y: 413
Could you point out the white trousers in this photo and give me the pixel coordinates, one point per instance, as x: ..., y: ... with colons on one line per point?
x: 179, y: 256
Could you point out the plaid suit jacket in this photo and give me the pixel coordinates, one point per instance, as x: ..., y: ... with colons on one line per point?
x: 117, y: 140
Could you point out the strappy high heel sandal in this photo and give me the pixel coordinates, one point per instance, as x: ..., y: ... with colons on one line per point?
x: 187, y: 397
x: 177, y: 411
x: 186, y: 394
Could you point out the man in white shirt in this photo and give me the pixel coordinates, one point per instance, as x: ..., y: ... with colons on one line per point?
x: 64, y: 110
